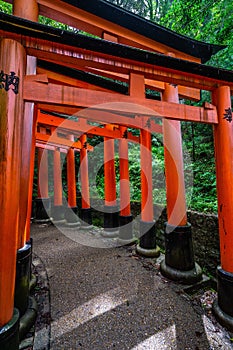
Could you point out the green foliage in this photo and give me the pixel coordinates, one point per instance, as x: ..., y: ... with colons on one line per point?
x: 150, y: 9
x: 208, y: 21
x: 205, y: 20
x: 198, y: 141
x: 5, y: 7
x: 50, y: 22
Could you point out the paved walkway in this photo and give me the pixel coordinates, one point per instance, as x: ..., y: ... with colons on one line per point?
x: 109, y: 298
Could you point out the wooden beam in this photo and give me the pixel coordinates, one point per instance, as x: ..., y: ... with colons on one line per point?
x: 56, y: 140
x: 184, y: 91
x: 70, y: 58
x: 103, y: 117
x: 121, y: 104
x: 68, y: 125
x: 78, y: 128
x: 90, y: 23
x: 50, y: 147
x: 56, y: 77
x: 76, y: 57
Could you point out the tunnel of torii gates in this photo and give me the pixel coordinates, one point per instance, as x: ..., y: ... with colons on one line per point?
x: 57, y: 88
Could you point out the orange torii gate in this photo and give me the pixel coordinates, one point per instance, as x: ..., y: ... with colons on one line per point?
x: 169, y: 63
x: 80, y: 128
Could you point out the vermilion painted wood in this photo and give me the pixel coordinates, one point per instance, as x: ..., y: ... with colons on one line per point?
x: 84, y: 173
x: 59, y: 141
x: 27, y: 145
x: 32, y: 165
x: 42, y: 172
x: 76, y: 97
x: 93, y: 115
x: 28, y: 10
x: 124, y: 175
x: 184, y: 91
x: 81, y: 58
x: 50, y: 147
x: 12, y: 59
x: 147, y: 213
x: 71, y: 176
x: 67, y: 125
x: 55, y: 78
x: 109, y: 170
x: 96, y: 25
x: 157, y: 73
x: 137, y: 91
x: 223, y: 136
x: 174, y: 169
x: 77, y: 128
x: 57, y: 176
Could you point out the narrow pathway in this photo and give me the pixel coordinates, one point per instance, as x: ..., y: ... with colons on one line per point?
x: 98, y: 299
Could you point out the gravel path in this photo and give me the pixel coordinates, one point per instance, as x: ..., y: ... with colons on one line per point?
x: 96, y: 299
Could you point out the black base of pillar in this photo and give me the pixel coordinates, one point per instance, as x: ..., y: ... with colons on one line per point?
x: 71, y: 216
x: 179, y: 264
x: 223, y: 306
x: 111, y: 221
x: 179, y: 247
x: 57, y: 213
x: 147, y: 245
x: 126, y: 230
x: 28, y: 319
x: 9, y: 333
x: 42, y: 210
x: 184, y: 277
x: 30, y: 242
x: 86, y: 218
x: 23, y: 276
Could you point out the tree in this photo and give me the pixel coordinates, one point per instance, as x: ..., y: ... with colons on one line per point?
x: 205, y: 20
x: 150, y: 9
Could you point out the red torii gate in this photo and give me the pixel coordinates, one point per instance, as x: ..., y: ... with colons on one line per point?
x: 154, y: 67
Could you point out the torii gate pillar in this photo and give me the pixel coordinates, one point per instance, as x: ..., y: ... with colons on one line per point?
x: 111, y: 220
x: 179, y: 264
x: 71, y: 214
x: 125, y: 217
x: 12, y: 66
x: 24, y: 252
x: 223, y: 135
x: 58, y: 208
x: 42, y: 202
x: 85, y: 211
x: 147, y: 245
